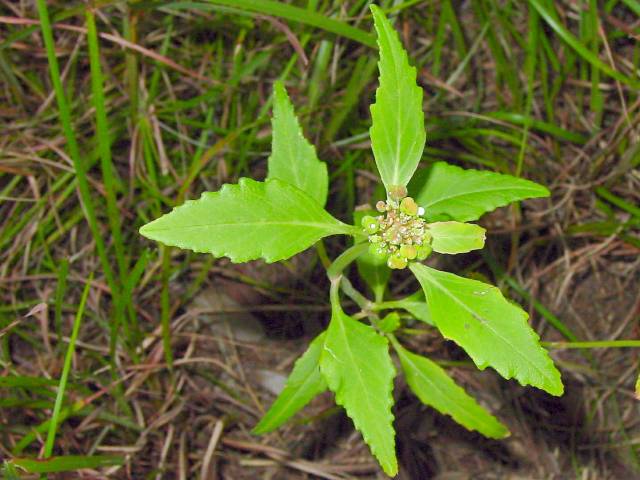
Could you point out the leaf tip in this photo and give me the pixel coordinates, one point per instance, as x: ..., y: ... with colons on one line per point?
x: 391, y: 469
x: 557, y: 389
x: 259, y: 429
x: 147, y: 230
x: 544, y: 191
x: 144, y: 230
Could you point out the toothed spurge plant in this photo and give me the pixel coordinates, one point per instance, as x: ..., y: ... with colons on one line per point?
x: 284, y: 215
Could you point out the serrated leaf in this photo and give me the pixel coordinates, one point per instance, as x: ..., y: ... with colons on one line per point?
x: 303, y: 384
x: 456, y: 237
x: 358, y: 369
x: 397, y: 131
x: 415, y: 305
x: 246, y: 221
x: 448, y: 192
x: 372, y: 268
x: 293, y: 159
x: 435, y: 388
x: 493, y: 331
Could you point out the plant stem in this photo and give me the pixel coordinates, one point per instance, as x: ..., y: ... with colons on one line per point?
x: 345, y: 258
x: 350, y: 291
x: 322, y: 254
x: 594, y: 344
x: 334, y: 294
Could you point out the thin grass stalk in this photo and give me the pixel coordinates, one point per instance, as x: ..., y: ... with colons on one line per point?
x: 104, y: 142
x: 62, y: 386
x: 108, y: 176
x: 74, y: 150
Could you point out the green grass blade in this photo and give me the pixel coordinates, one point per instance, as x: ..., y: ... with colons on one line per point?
x: 104, y: 142
x: 553, y: 21
x: 72, y: 143
x: 634, y: 6
x: 74, y: 153
x: 295, y: 14
x: 618, y: 202
x: 61, y: 287
x: 51, y: 435
x: 532, y: 123
x: 66, y: 463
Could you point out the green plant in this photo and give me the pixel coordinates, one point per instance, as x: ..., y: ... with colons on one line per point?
x: 282, y: 216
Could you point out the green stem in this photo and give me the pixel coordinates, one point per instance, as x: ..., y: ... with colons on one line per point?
x: 594, y: 344
x: 394, y: 341
x: 322, y: 254
x: 344, y: 259
x: 349, y: 290
x: 334, y: 294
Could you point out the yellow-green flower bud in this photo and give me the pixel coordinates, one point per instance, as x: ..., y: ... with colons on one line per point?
x: 370, y: 224
x: 408, y: 251
x: 423, y: 251
x: 375, y: 250
x: 409, y: 206
x: 397, y: 192
x: 397, y: 262
x: 381, y: 206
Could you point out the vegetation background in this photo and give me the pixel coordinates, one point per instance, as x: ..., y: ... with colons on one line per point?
x: 170, y: 358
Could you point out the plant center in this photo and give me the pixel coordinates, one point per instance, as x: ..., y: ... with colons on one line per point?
x: 400, y: 234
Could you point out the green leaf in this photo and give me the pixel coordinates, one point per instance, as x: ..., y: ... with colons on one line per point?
x: 358, y: 369
x: 304, y: 383
x: 390, y: 323
x: 397, y: 130
x: 293, y: 159
x: 415, y: 305
x: 456, y: 237
x: 435, y: 388
x: 271, y: 220
x: 493, y: 331
x: 372, y: 268
x: 448, y: 192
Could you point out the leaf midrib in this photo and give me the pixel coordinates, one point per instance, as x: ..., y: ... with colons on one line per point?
x: 488, y: 326
x: 396, y: 64
x: 483, y: 190
x: 354, y: 363
x: 451, y: 399
x: 326, y: 226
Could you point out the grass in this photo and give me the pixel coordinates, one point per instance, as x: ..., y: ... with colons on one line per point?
x: 114, y: 114
x: 55, y: 415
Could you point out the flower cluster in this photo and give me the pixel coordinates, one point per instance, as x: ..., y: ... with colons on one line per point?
x: 400, y: 234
